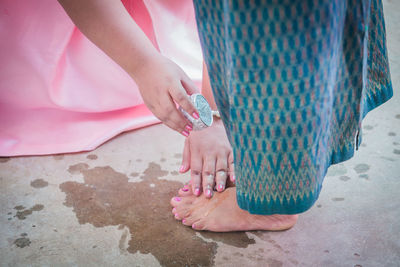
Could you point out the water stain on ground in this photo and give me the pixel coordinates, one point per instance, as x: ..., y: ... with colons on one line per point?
x: 361, y: 168
x: 336, y: 170
x: 344, y: 178
x: 22, y: 213
x: 39, y: 183
x: 178, y: 155
x: 92, y: 157
x: 396, y: 151
x: 23, y: 241
x: 338, y: 198
x: 398, y: 116
x: 4, y: 159
x: 364, y: 176
x: 58, y: 157
x: 392, y: 134
x: 368, y: 127
x: 107, y: 198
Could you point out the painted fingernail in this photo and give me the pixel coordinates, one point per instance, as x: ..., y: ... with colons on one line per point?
x: 197, y: 191
x: 188, y: 127
x: 208, y: 192
x: 182, y: 168
x: 177, y: 199
x: 195, y: 115
x: 220, y: 187
x: 185, y: 133
x: 185, y: 189
x: 183, y: 221
x: 174, y: 210
x: 193, y: 226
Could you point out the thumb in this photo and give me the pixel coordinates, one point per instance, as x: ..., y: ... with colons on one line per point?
x: 189, y: 86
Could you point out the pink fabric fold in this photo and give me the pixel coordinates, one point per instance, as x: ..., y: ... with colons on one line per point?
x: 59, y: 93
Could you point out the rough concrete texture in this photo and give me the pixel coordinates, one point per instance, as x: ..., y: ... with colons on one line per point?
x: 110, y: 207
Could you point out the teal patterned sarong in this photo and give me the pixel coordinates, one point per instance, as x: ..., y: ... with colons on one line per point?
x: 293, y: 80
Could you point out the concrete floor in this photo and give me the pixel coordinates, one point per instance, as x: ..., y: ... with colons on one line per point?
x: 110, y: 207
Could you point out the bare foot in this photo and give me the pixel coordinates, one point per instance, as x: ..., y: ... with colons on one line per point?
x: 222, y: 214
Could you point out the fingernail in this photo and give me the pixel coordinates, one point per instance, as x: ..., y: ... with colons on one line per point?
x: 185, y: 189
x: 188, y: 127
x: 208, y: 192
x: 176, y: 215
x: 195, y: 115
x: 174, y: 210
x: 193, y: 226
x: 177, y: 199
x: 183, y: 221
x: 197, y: 191
x: 185, y: 133
x: 220, y: 187
x: 182, y: 168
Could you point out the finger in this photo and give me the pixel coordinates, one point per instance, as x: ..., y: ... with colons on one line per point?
x: 221, y: 172
x: 208, y: 176
x: 196, y: 166
x: 174, y: 118
x: 185, y: 157
x: 189, y: 86
x: 180, y: 96
x: 231, y: 167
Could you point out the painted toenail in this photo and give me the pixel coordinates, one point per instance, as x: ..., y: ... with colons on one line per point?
x: 176, y: 215
x: 193, y: 226
x: 197, y: 191
x: 233, y: 178
x: 184, y: 221
x: 174, y: 210
x: 177, y: 199
x: 182, y: 168
x: 185, y: 189
x: 220, y: 187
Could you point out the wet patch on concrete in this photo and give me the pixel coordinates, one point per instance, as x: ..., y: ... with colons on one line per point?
x: 4, y: 159
x: 396, y: 151
x: 336, y: 170
x: 396, y: 143
x: 58, y: 157
x: 108, y: 198
x: 39, y: 183
x: 392, y: 134
x: 92, y: 157
x: 319, y: 206
x: 388, y: 158
x: 368, y: 127
x: 22, y: 213
x: 134, y: 174
x: 344, y: 178
x: 398, y: 116
x: 338, y: 199
x: 23, y: 241
x: 361, y: 168
x: 178, y: 155
x: 77, y: 168
x: 364, y: 145
x: 364, y: 176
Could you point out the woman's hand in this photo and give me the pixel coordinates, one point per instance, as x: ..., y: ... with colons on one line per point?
x: 209, y: 156
x: 162, y: 83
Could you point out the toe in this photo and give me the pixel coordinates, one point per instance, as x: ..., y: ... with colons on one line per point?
x: 186, y: 190
x: 221, y: 173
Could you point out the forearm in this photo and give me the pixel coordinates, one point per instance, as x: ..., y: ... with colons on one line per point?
x: 206, y: 90
x: 109, y: 26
